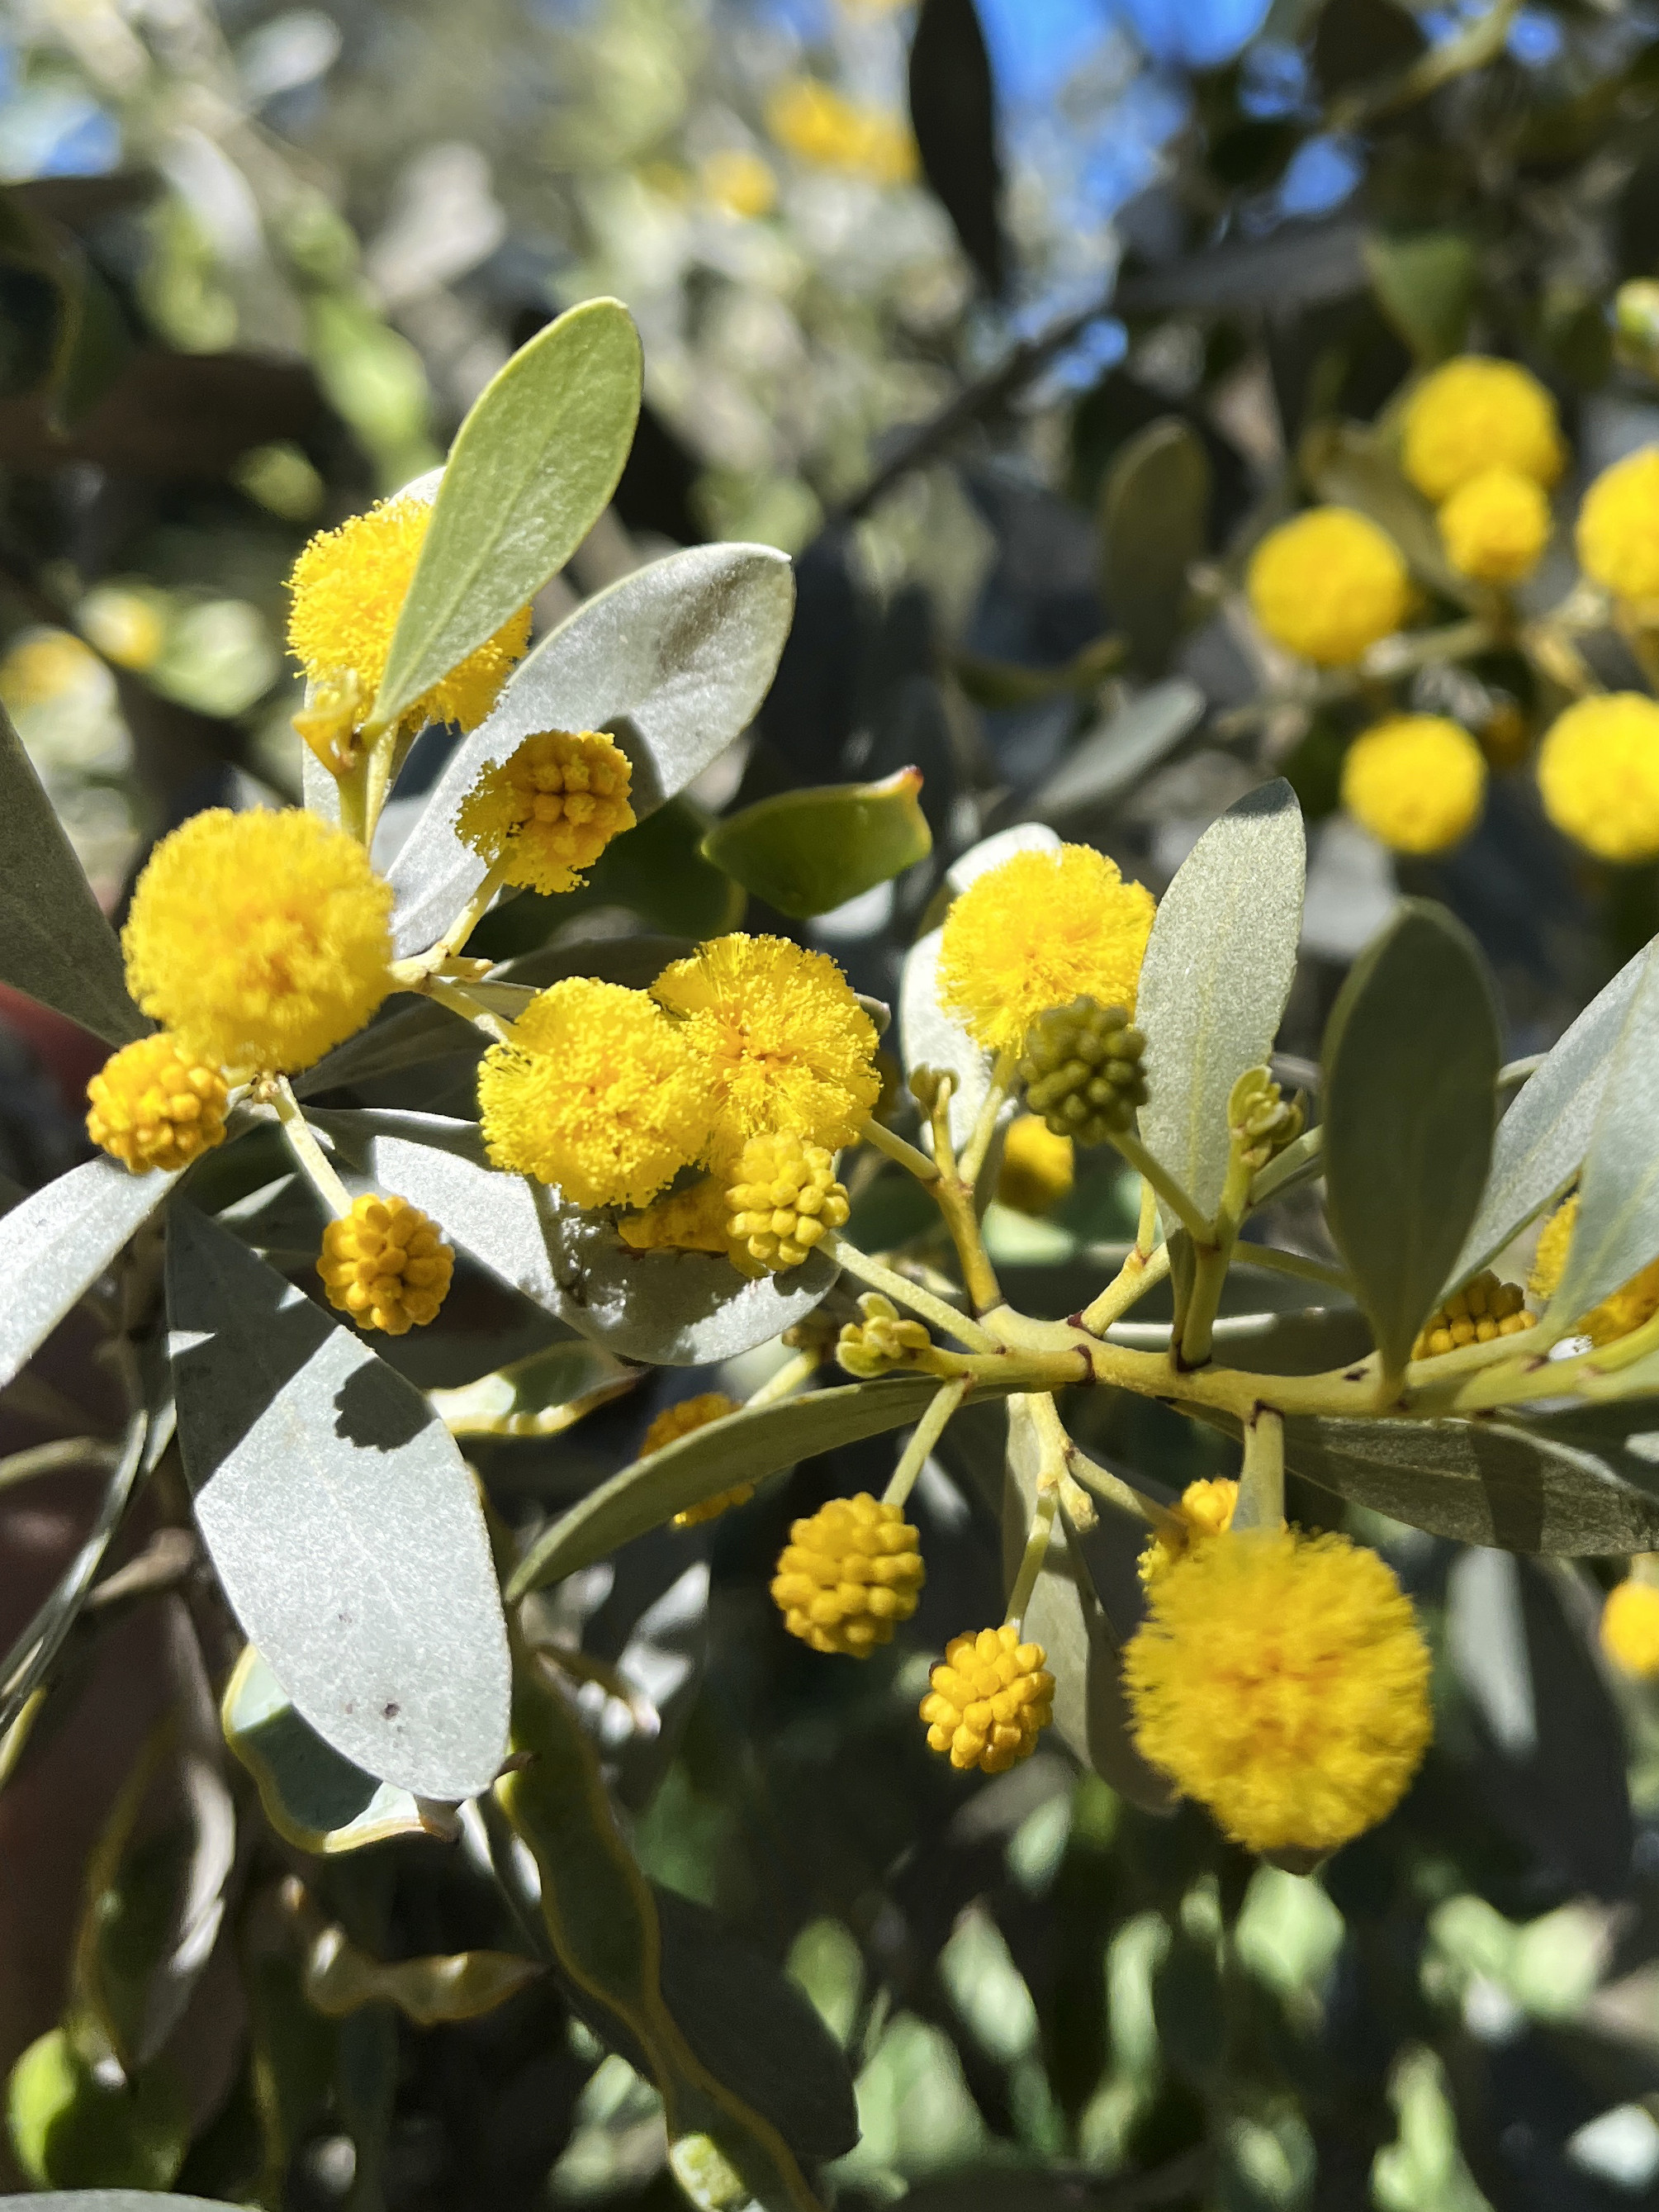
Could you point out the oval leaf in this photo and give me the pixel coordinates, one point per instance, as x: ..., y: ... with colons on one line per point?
x: 530, y: 472
x: 1410, y: 1078
x: 1154, y: 524
x: 55, y: 944
x: 1542, y: 1139
x: 1218, y: 972
x: 806, y: 852
x: 674, y: 660
x: 340, y: 1979
x: 1617, y: 1231
x: 60, y: 1241
x: 1107, y: 760
x: 343, y: 1523
x: 953, y: 114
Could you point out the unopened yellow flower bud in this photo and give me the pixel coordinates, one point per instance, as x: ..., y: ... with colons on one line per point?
x: 680, y: 1420
x: 848, y: 1575
x: 1495, y: 526
x: 1620, y: 1311
x: 1416, y: 781
x: 1082, y: 1070
x: 1598, y: 771
x: 882, y: 1341
x: 989, y: 1700
x: 784, y: 1199
x: 1630, y: 1629
x: 386, y: 1265
x: 1481, y: 1312
x: 1260, y: 1120
x: 1328, y: 585
x: 154, y: 1106
x: 551, y: 809
x: 1206, y: 1509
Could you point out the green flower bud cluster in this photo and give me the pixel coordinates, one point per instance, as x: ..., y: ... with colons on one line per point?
x: 1082, y: 1070
x: 881, y: 1340
x: 1260, y: 1120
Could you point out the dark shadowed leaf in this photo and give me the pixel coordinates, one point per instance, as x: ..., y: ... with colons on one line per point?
x: 60, y: 1240
x: 806, y: 852
x: 1425, y: 284
x: 1154, y: 524
x: 1108, y: 759
x: 953, y: 114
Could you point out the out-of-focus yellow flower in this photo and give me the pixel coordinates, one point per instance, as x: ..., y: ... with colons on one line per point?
x: 549, y: 809
x: 1620, y: 1311
x: 386, y: 1265
x: 1619, y: 529
x: 1495, y: 526
x: 1630, y: 1629
x: 740, y: 183
x: 1206, y: 1509
x: 989, y: 1699
x: 784, y: 1199
x: 127, y: 627
x: 1473, y: 414
x: 1416, y: 781
x: 812, y: 121
x: 1328, y: 585
x: 681, y: 1420
x: 259, y: 940
x: 1598, y: 774
x: 46, y: 664
x: 849, y: 1573
x: 1038, y: 932
x: 152, y: 1106
x: 1481, y: 1312
x: 1038, y: 1168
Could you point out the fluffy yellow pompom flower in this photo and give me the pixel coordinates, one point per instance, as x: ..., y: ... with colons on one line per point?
x: 1481, y: 1312
x: 781, y: 1039
x: 848, y: 1575
x: 1630, y: 1629
x: 348, y: 589
x: 784, y: 1198
x: 1038, y: 1168
x: 152, y: 1106
x: 1495, y: 526
x: 690, y: 1220
x: 813, y: 121
x: 1283, y: 1681
x: 1598, y: 774
x: 259, y: 940
x: 551, y: 809
x: 1206, y: 1509
x: 1620, y: 1311
x: 1474, y: 414
x: 1038, y: 932
x: 596, y: 1091
x: 1619, y: 527
x: 990, y: 1698
x: 386, y: 1265
x: 680, y: 1420
x: 1327, y: 585
x: 1416, y: 781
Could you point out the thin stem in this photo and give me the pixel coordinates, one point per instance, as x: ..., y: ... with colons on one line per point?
x: 927, y: 1432
x: 895, y: 1147
x: 1133, y: 1280
x: 956, y: 1203
x: 1261, y: 1478
x: 788, y: 1379
x: 459, y: 1000
x: 52, y: 1458
x: 1002, y: 1077
x: 1154, y: 1172
x: 904, y: 1292
x: 302, y: 1143
x: 453, y: 939
x: 1295, y: 1263
x: 1114, y: 1491
x: 1031, y: 1560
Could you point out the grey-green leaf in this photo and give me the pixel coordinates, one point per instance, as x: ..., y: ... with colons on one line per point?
x: 55, y: 944
x: 1617, y: 1231
x: 1542, y: 1139
x: 1154, y: 522
x: 528, y: 476
x: 1410, y: 1063
x: 1477, y: 1482
x: 807, y: 852
x: 1107, y: 760
x: 344, y: 1525
x: 673, y: 661
x: 1218, y: 972
x: 59, y: 1241
x: 745, y: 1447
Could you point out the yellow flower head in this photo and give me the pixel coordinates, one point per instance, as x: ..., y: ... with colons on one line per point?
x: 690, y: 1220
x: 386, y: 1265
x: 739, y: 183
x: 1038, y: 1168
x: 348, y: 589
x: 127, y: 627
x: 782, y: 1038
x: 1206, y: 1509
x: 1620, y: 1311
x: 1630, y: 1629
x: 1417, y: 781
x: 784, y: 1198
x: 551, y: 809
x: 259, y: 940
x: 1619, y: 527
x: 1327, y: 585
x: 990, y: 1698
x: 1474, y: 414
x: 849, y: 1573
x: 154, y: 1107
x: 46, y: 664
x: 1495, y: 526
x: 680, y: 1420
x: 1036, y: 931
x: 1481, y: 1312
x: 595, y: 1091
x: 812, y: 121
x: 1598, y: 774
x: 1281, y: 1680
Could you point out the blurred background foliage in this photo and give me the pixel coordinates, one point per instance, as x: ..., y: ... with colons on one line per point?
x: 1018, y: 326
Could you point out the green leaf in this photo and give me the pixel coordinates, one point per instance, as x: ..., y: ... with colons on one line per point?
x: 340, y: 1979
x: 1425, y: 284
x: 67, y: 2125
x: 528, y: 474
x: 1542, y: 1139
x: 673, y: 661
x: 60, y: 1240
x: 1617, y: 1231
x: 1347, y: 464
x: 745, y: 1447
x: 55, y: 944
x: 1218, y: 972
x: 1154, y: 524
x: 536, y: 1396
x: 1108, y: 760
x: 807, y: 852
x: 1409, y: 1074
x: 314, y: 1798
x: 344, y: 1526
x: 1477, y: 1482
x: 656, y: 870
